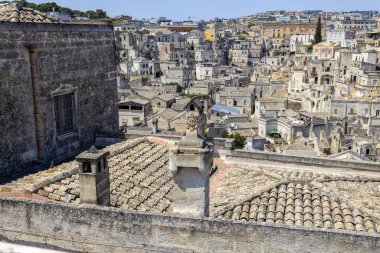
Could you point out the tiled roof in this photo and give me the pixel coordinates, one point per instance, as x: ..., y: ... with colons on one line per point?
x: 166, y: 97
x: 139, y: 177
x: 151, y: 94
x: 300, y: 204
x: 180, y: 104
x: 140, y: 181
x: 350, y: 156
x: 134, y: 100
x: 13, y: 12
x: 169, y: 114
x: 299, y: 145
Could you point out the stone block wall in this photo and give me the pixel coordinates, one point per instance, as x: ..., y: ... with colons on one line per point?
x: 240, y: 155
x: 102, y: 229
x: 80, y: 55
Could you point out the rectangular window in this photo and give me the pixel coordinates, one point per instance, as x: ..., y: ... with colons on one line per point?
x: 377, y: 113
x: 64, y: 113
x: 86, y: 167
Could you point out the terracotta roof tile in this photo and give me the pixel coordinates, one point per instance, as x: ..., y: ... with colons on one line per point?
x: 301, y: 205
x: 13, y: 12
x: 139, y: 177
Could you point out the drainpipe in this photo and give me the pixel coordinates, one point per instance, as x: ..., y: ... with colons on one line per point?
x: 32, y: 49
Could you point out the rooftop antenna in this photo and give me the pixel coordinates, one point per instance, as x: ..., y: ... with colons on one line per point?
x: 189, y: 18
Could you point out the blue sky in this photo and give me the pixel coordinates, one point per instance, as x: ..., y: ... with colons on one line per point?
x: 206, y: 9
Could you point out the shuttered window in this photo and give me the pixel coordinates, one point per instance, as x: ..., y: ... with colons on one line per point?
x: 64, y: 113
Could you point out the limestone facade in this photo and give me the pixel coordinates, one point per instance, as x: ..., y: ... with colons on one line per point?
x: 46, y: 69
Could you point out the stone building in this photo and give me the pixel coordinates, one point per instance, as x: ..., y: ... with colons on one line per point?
x: 204, y: 54
x: 366, y: 78
x: 269, y: 106
x: 299, y: 42
x: 58, y: 88
x: 165, y: 50
x: 341, y: 36
x: 280, y: 32
x: 241, y: 99
x: 325, y: 50
x: 357, y: 25
x: 207, y: 70
x: 133, y: 111
x: 181, y: 75
x: 239, y: 53
x: 341, y: 108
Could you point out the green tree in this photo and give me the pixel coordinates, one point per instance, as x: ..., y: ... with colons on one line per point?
x: 98, y: 14
x: 318, y: 32
x: 179, y: 88
x: 46, y: 7
x: 240, y: 140
x: 49, y: 6
x: 201, y: 96
x: 225, y: 134
x: 23, y: 3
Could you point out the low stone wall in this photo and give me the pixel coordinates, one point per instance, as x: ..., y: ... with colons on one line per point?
x: 219, y: 143
x: 102, y: 229
x: 163, y: 136
x: 139, y: 130
x: 286, y: 158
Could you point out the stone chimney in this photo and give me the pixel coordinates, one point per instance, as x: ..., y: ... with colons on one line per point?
x: 94, y: 179
x: 190, y: 163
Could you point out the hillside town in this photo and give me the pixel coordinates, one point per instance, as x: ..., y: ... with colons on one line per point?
x: 259, y: 133
x: 265, y: 77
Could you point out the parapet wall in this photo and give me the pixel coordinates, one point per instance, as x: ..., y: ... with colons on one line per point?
x: 54, y: 27
x: 102, y: 229
x: 286, y: 158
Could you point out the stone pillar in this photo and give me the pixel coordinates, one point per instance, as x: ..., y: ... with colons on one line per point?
x: 190, y: 163
x: 155, y: 126
x: 94, y: 179
x: 229, y: 144
x: 32, y: 49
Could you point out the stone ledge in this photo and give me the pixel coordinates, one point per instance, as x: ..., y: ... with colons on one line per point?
x: 274, y: 157
x: 175, y: 221
x: 8, y: 26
